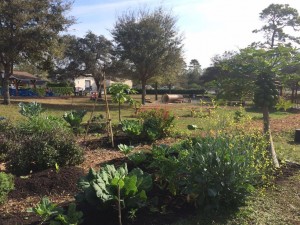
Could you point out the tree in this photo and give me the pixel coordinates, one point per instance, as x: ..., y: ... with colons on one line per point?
x: 194, y: 72
x: 120, y: 94
x: 279, y: 18
x: 29, y: 31
x: 230, y: 80
x: 265, y: 67
x: 91, y: 54
x: 149, y: 41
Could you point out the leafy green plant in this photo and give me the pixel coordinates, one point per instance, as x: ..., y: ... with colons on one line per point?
x: 157, y: 124
x: 45, y: 209
x: 125, y: 148
x: 137, y: 157
x: 56, y: 167
x: 31, y: 109
x: 72, y: 217
x: 120, y: 94
x: 110, y: 187
x: 74, y: 119
x: 213, y: 170
x: 50, y: 212
x: 283, y: 104
x: 239, y: 114
x: 133, y: 128
x: 6, y: 185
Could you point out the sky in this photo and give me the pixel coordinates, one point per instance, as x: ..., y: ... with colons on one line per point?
x: 209, y: 27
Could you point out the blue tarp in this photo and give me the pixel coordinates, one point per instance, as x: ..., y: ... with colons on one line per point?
x: 22, y: 92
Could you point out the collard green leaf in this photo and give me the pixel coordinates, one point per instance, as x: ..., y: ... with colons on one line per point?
x: 130, y: 185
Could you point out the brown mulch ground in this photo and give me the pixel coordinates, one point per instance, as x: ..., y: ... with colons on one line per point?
x: 60, y: 186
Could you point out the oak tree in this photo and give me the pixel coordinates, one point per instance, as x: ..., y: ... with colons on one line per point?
x: 29, y: 31
x: 148, y: 40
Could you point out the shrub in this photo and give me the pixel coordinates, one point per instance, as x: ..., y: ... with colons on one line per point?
x: 7, y: 132
x: 213, y: 170
x: 40, y: 143
x: 6, y: 185
x: 157, y: 124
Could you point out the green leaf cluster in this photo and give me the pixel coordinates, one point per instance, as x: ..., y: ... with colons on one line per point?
x: 101, y: 188
x: 50, y: 212
x: 45, y: 209
x: 74, y: 118
x: 31, y: 109
x: 213, y: 170
x: 39, y: 143
x: 283, y: 104
x: 6, y: 185
x: 125, y: 148
x: 133, y: 128
x: 157, y: 124
x: 152, y: 125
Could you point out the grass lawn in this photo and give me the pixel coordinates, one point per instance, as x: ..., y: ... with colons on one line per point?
x: 278, y: 204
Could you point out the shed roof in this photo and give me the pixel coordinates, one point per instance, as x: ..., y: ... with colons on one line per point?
x: 21, y: 75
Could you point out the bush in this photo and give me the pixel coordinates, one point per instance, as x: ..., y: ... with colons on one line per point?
x: 6, y: 185
x: 7, y: 133
x: 40, y: 143
x: 157, y: 124
x: 211, y: 170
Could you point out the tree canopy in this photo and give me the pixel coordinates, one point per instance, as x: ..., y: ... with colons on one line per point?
x: 29, y: 32
x: 149, y: 41
x: 278, y: 18
x: 90, y: 54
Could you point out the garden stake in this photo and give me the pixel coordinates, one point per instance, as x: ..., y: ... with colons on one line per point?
x: 108, y: 122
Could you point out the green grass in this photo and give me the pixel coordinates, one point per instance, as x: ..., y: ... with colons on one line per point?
x: 285, y: 146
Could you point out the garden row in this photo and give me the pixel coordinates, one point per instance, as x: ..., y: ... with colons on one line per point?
x: 220, y: 168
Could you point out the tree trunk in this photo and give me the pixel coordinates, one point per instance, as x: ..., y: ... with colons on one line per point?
x: 292, y: 97
x: 267, y: 132
x: 296, y: 93
x: 156, y: 85
x: 5, y: 85
x: 120, y: 110
x: 143, y: 91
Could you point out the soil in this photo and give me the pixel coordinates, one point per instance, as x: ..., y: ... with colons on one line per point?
x: 60, y: 186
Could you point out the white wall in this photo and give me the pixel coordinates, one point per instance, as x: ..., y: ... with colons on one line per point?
x: 80, y: 82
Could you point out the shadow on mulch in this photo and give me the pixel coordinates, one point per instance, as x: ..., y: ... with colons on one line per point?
x: 105, y: 142
x: 44, y: 183
x: 47, y: 182
x: 287, y: 170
